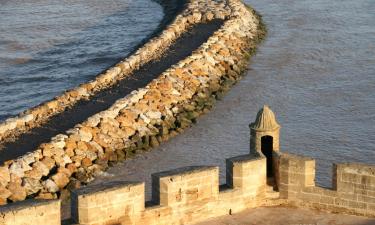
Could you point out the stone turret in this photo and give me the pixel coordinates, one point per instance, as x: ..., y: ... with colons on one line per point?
x: 264, y: 137
x: 265, y: 131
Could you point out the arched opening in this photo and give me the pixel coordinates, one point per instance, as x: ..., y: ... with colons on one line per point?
x: 267, y: 148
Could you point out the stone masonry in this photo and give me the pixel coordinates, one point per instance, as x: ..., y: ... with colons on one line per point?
x: 193, y: 194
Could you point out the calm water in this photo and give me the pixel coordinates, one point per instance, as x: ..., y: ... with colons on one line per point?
x: 317, y: 72
x: 48, y: 46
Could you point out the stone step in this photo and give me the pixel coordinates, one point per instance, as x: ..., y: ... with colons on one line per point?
x: 269, y: 188
x: 272, y: 195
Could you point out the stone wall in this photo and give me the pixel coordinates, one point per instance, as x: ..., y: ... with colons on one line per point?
x: 181, y: 196
x: 31, y: 212
x: 353, y: 186
x: 192, y: 194
x: 148, y: 115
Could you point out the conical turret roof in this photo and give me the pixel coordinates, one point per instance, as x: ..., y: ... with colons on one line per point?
x: 265, y: 120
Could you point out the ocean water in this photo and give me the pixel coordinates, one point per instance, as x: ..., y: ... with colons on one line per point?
x: 48, y: 46
x: 316, y: 70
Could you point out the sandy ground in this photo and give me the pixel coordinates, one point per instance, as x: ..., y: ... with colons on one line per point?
x: 288, y: 216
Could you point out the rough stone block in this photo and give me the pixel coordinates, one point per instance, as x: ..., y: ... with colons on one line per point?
x: 185, y: 185
x: 107, y: 203
x: 41, y: 212
x: 246, y: 172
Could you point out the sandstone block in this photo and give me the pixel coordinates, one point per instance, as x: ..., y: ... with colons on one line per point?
x: 61, y: 179
x: 86, y: 162
x: 4, y: 193
x: 31, y: 185
x: 85, y: 134
x: 50, y: 186
x: 18, y: 192
x: 16, y: 169
x: 4, y: 175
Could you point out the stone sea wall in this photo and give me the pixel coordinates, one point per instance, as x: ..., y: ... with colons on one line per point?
x: 143, y: 118
x: 195, y: 13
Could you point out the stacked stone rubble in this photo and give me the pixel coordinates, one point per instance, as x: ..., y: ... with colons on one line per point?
x: 147, y: 116
x: 194, y: 13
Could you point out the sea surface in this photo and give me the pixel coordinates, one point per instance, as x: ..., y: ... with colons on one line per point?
x: 48, y: 46
x: 316, y: 70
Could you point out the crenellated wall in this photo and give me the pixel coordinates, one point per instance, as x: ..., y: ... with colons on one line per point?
x: 353, y: 185
x: 148, y: 115
x: 192, y: 194
x: 181, y: 196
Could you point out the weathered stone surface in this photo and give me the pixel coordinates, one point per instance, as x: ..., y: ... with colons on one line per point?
x: 48, y: 162
x: 4, y: 193
x: 4, y: 176
x: 61, y: 161
x: 46, y: 195
x: 85, y: 134
x: 50, y: 186
x: 16, y: 169
x: 61, y: 179
x: 31, y: 185
x: 86, y: 162
x: 18, y: 192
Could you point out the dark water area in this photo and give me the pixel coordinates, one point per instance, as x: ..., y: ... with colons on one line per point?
x: 316, y: 69
x: 48, y: 46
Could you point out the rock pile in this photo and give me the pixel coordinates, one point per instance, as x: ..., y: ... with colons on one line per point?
x: 147, y: 116
x: 34, y: 117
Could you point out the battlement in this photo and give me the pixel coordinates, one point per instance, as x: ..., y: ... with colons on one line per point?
x: 193, y: 194
x: 353, y: 186
x: 180, y: 196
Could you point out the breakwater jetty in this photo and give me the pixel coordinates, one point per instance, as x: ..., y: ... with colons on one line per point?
x: 143, y: 100
x: 264, y: 177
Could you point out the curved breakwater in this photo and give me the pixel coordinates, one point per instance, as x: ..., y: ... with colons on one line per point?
x: 212, y: 41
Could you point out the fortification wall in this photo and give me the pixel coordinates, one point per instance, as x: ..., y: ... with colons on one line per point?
x: 148, y: 115
x: 181, y: 196
x: 353, y: 186
x: 31, y: 212
x: 192, y: 194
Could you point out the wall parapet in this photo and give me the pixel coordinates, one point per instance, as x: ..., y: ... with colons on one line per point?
x: 184, y: 195
x: 31, y: 212
x: 353, y: 186
x: 147, y: 116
